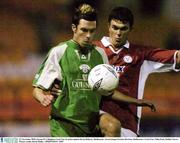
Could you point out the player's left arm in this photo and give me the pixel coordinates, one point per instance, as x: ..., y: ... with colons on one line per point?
x: 139, y: 102
x: 178, y: 60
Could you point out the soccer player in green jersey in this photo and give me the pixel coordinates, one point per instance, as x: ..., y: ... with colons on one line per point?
x: 75, y: 112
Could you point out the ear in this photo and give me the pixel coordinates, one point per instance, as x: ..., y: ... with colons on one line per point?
x: 73, y: 26
x: 108, y: 25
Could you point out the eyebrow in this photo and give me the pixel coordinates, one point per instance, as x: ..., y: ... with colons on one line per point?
x: 123, y: 27
x: 88, y: 29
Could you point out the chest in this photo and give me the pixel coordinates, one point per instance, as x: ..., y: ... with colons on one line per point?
x: 75, y: 64
x: 126, y: 61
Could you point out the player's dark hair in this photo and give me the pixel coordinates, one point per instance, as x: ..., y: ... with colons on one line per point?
x: 123, y: 14
x: 84, y: 11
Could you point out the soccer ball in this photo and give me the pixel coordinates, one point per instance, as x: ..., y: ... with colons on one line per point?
x: 103, y: 79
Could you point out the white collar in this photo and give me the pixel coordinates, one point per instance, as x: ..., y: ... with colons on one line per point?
x: 106, y: 42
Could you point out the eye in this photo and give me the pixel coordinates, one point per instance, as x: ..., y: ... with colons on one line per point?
x: 115, y: 27
x: 92, y: 31
x: 84, y: 29
x: 124, y: 28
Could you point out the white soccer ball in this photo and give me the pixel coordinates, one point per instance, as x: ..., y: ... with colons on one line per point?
x: 103, y: 79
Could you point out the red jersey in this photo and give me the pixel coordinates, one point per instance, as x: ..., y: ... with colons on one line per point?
x: 133, y: 63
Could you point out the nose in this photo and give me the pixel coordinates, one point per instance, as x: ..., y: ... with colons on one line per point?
x: 119, y: 32
x: 88, y: 35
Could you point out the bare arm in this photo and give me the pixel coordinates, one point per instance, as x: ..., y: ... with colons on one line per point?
x: 42, y: 97
x: 178, y: 60
x: 121, y: 97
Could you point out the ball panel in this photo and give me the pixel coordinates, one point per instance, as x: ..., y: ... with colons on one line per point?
x: 97, y: 84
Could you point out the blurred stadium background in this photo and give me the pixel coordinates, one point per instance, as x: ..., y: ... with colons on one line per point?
x: 29, y: 28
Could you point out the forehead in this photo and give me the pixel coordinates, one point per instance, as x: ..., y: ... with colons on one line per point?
x: 118, y: 23
x: 87, y: 24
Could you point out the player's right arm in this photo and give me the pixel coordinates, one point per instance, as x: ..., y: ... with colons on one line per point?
x: 45, y: 89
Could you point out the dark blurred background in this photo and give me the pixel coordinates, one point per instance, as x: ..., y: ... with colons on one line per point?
x: 28, y: 29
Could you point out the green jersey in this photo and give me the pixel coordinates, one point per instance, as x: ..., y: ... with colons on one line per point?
x: 65, y: 62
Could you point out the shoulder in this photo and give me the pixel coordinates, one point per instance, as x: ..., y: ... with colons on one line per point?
x: 140, y: 48
x: 102, y: 53
x: 99, y: 43
x: 57, y: 51
x: 60, y: 47
x: 99, y: 49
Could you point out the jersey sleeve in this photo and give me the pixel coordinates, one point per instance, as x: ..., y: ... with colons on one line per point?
x: 161, y: 60
x: 49, y: 70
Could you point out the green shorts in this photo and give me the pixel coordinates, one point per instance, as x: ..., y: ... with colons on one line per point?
x: 60, y: 128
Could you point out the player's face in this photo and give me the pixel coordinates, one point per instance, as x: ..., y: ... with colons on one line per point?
x: 84, y: 32
x: 118, y: 32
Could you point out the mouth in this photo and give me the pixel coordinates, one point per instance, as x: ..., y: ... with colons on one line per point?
x: 86, y: 43
x: 118, y: 39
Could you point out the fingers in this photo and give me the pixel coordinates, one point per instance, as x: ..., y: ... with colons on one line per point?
x: 47, y: 100
x: 56, y: 86
x: 55, y: 92
x: 153, y: 108
x: 150, y: 105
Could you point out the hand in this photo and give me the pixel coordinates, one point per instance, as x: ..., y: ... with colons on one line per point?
x: 148, y: 104
x: 43, y: 97
x: 46, y: 100
x: 152, y: 106
x: 55, y: 90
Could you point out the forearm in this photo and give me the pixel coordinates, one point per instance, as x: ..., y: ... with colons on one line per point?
x: 138, y: 102
x: 124, y: 98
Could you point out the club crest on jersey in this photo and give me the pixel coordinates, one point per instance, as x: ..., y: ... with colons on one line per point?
x: 83, y: 57
x: 84, y: 68
x: 127, y: 59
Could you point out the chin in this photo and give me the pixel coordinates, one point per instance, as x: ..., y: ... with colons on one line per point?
x: 86, y: 44
x: 82, y: 45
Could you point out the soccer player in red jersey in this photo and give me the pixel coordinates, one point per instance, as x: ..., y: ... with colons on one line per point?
x: 133, y: 63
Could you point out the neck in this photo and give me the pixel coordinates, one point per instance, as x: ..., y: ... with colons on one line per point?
x: 118, y: 45
x: 82, y: 49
